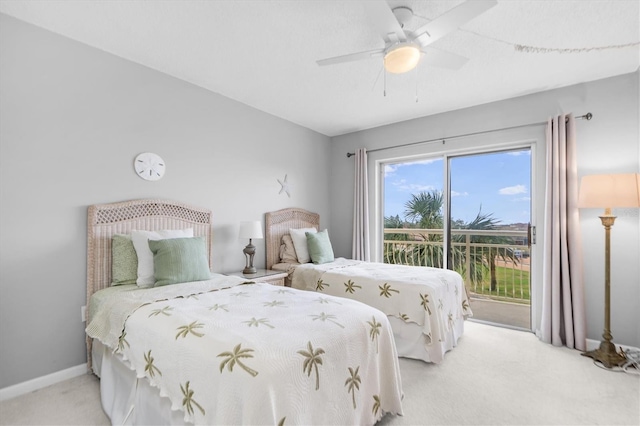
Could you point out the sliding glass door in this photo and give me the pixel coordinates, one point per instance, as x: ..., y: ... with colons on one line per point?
x: 490, y: 217
x: 470, y: 213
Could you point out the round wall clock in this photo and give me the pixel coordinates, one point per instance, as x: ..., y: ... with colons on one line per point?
x: 149, y: 166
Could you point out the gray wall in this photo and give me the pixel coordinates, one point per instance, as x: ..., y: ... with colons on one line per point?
x: 607, y: 144
x: 73, y: 118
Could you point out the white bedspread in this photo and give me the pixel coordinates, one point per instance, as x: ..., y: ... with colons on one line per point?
x: 433, y: 298
x: 256, y: 354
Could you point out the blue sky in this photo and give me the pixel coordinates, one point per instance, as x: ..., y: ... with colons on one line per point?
x: 500, y: 182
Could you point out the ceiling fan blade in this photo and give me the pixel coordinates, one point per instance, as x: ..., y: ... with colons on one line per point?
x: 384, y: 21
x: 439, y: 58
x: 451, y: 20
x: 350, y: 57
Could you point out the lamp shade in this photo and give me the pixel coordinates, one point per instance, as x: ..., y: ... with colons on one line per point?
x: 609, y: 191
x: 401, y: 58
x: 250, y: 230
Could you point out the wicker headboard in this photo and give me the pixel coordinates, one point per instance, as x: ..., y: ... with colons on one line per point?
x: 105, y: 220
x: 278, y: 223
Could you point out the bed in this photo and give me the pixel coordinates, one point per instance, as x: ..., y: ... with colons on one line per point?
x: 426, y: 307
x: 221, y: 350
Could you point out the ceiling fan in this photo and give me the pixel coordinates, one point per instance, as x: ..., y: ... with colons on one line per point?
x: 402, y: 49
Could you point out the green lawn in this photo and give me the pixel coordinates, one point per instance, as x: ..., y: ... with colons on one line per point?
x: 513, y: 285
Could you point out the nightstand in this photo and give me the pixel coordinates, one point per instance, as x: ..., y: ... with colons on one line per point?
x: 263, y: 275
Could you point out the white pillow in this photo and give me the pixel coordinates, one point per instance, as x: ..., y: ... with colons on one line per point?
x: 299, y: 238
x: 140, y: 240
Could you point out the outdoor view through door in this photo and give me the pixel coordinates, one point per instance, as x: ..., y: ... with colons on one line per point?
x: 489, y: 204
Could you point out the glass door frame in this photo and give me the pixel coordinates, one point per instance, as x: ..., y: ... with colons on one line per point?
x: 530, y: 138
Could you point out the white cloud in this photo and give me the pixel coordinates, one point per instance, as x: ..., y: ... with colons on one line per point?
x: 459, y: 194
x: 517, y: 153
x: 512, y: 190
x: 389, y: 169
x: 414, y: 187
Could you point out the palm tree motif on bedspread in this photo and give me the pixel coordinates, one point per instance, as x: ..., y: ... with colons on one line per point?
x: 188, y: 402
x: 149, y: 367
x: 122, y: 341
x: 376, y: 405
x: 312, y: 359
x: 320, y: 285
x: 353, y: 384
x: 185, y: 330
x: 350, y: 287
x: 218, y: 306
x: 253, y: 322
x: 425, y: 302
x: 385, y: 290
x: 327, y: 317
x: 164, y: 311
x: 374, y: 332
x: 234, y: 357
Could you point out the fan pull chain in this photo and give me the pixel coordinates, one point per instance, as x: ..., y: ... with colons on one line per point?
x: 417, y: 74
x: 384, y: 90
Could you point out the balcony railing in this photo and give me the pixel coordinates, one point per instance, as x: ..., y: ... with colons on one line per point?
x: 493, y: 263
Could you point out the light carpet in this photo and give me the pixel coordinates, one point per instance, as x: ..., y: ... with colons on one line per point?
x: 495, y: 376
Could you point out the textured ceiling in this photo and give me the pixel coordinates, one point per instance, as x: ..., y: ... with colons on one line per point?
x: 262, y: 52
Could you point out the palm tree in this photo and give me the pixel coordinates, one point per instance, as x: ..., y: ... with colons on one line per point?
x: 353, y: 383
x: 425, y: 302
x: 191, y: 328
x: 376, y: 404
x: 312, y: 359
x: 188, y: 402
x: 149, y: 367
x: 253, y: 322
x: 385, y: 290
x: 425, y: 211
x: 327, y: 317
x: 487, y: 257
x: 394, y: 222
x: 320, y: 285
x: 374, y: 333
x: 234, y: 357
x: 351, y: 287
x: 392, y: 251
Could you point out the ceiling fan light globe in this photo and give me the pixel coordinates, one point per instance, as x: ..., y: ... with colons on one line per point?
x: 401, y: 59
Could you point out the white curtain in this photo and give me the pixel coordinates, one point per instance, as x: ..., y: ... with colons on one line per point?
x: 360, y: 245
x: 563, y: 307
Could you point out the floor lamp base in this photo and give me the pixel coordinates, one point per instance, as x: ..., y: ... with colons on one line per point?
x: 607, y: 355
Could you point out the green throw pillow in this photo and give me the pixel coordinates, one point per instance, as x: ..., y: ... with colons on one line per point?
x: 319, y: 246
x: 179, y: 260
x: 124, y: 260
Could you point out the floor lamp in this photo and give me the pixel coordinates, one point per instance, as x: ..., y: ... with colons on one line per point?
x: 608, y: 191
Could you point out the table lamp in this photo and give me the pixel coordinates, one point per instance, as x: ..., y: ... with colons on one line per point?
x: 250, y: 230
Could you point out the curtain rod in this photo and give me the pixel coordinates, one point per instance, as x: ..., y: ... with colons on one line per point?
x: 588, y: 116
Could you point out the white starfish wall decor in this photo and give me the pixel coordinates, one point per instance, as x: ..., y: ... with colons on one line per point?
x: 285, y: 186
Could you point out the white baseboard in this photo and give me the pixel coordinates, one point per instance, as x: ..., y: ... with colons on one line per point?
x: 595, y: 344
x: 42, y: 382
